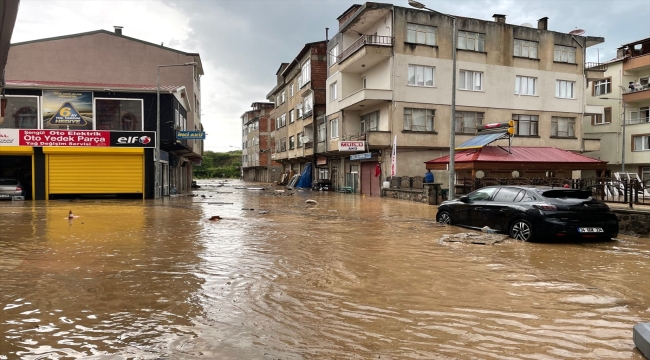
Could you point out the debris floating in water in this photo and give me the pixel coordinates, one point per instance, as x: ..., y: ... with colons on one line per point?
x: 216, y: 217
x: 310, y: 201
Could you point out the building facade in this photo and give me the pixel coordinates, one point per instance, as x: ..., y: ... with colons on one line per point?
x: 390, y: 77
x: 622, y: 122
x: 299, y: 98
x: 110, y: 89
x: 257, y: 125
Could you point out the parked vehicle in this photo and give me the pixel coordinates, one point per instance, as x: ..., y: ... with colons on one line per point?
x: 10, y: 187
x: 532, y: 213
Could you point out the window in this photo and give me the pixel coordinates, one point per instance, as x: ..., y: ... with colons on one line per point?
x: 525, y: 48
x: 605, y: 118
x: 470, y: 80
x: 299, y: 136
x: 565, y: 89
x: 420, y: 75
x: 277, y: 100
x: 641, y: 142
x: 322, y: 132
x: 323, y: 174
x: 299, y: 81
x: 333, y: 92
x: 307, y: 105
x: 466, y: 122
x: 277, y: 146
x: 291, y: 117
x: 305, y: 73
x: 291, y: 87
x: 277, y: 122
x: 565, y: 54
x: 283, y: 144
x: 283, y: 120
x: 282, y: 96
x: 334, y: 53
x: 644, y: 81
x: 602, y: 87
x: 526, y: 125
x: 471, y: 41
x: 507, y: 194
x: 420, y: 34
x: 334, y: 128
x: 525, y: 85
x: 292, y: 142
x: 645, y: 173
x: 418, y: 119
x: 364, y: 83
x: 482, y: 194
x: 639, y: 116
x: 122, y: 114
x: 563, y: 127
x: 299, y: 111
x: 19, y: 112
x: 370, y: 122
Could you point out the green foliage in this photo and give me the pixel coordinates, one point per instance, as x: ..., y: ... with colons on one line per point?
x: 219, y: 165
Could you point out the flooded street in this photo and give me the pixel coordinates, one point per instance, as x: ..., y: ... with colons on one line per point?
x: 350, y: 277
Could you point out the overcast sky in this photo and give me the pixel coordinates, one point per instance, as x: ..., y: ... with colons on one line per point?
x: 243, y: 42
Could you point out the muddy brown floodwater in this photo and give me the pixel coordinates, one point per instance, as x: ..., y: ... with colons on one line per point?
x: 349, y: 278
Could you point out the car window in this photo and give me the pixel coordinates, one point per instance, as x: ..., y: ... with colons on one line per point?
x: 481, y: 194
x: 8, y: 182
x: 507, y: 194
x: 519, y: 196
x: 528, y: 196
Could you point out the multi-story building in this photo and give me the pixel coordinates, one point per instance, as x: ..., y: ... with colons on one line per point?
x: 112, y: 89
x: 390, y: 76
x: 299, y: 98
x: 622, y: 122
x: 257, y: 125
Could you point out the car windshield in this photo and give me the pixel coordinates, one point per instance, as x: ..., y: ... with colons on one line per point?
x: 9, y: 182
x: 567, y: 194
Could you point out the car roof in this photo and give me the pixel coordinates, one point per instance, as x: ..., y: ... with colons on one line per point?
x: 532, y: 187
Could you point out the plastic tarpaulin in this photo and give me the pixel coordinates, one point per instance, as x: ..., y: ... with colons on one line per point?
x: 305, y: 178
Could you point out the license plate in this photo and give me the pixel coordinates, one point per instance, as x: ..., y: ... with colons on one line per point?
x: 590, y: 230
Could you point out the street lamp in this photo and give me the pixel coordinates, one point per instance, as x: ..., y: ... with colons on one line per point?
x: 157, y: 150
x: 452, y: 120
x: 623, y: 131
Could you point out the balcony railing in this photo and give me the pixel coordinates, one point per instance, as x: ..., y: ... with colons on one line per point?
x: 365, y: 40
x: 309, y: 145
x: 594, y: 66
x: 642, y: 120
x: 355, y: 137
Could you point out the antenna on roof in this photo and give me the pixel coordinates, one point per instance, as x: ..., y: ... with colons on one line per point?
x: 577, y: 32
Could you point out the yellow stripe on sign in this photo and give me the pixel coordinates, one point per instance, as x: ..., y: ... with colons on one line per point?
x: 95, y: 173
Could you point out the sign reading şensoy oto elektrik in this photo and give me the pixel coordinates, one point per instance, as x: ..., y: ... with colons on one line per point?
x: 72, y: 110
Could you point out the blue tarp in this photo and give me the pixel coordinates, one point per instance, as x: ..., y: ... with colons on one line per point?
x: 305, y: 178
x: 480, y: 141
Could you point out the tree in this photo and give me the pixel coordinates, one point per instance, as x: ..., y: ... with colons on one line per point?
x: 219, y: 165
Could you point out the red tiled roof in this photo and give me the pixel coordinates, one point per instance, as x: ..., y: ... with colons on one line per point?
x: 81, y: 85
x: 519, y: 154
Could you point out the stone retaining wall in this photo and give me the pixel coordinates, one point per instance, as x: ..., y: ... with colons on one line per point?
x: 633, y: 222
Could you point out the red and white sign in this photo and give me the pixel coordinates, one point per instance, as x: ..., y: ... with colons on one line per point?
x: 64, y: 138
x: 352, y: 145
x: 9, y: 137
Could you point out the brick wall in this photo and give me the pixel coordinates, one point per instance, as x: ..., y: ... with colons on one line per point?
x: 319, y: 72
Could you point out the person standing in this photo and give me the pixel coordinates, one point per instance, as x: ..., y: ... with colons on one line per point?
x: 428, y: 177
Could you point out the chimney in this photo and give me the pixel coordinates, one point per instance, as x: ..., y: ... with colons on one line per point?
x: 499, y: 18
x: 542, y: 23
x: 118, y: 29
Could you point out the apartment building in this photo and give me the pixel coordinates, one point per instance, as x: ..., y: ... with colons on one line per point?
x: 299, y: 98
x: 622, y: 122
x: 390, y: 76
x: 257, y: 125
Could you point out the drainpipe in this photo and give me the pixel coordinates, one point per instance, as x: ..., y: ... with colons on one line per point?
x: 584, y: 95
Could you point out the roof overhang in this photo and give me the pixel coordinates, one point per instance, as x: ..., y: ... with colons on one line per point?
x: 140, y: 88
x: 8, y: 14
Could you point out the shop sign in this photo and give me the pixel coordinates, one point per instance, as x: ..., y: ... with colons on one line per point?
x: 321, y: 160
x: 352, y: 145
x: 190, y: 135
x: 39, y: 138
x: 67, y: 108
x: 361, y: 156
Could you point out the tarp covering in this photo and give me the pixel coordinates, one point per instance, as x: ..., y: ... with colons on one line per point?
x: 480, y: 141
x: 305, y: 178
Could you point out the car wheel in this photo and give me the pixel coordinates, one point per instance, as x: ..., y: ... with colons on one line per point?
x: 521, y: 230
x: 444, y: 218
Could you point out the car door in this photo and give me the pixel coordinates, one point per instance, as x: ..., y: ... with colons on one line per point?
x: 475, y: 205
x: 496, y: 212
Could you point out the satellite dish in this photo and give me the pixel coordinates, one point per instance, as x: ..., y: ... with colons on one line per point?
x: 527, y: 24
x: 577, y: 32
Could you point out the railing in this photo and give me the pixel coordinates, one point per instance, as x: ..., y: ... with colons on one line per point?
x: 352, y: 137
x: 637, y: 87
x: 365, y: 40
x: 309, y: 145
x: 594, y: 66
x: 637, y: 121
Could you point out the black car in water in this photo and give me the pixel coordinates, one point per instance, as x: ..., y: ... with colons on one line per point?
x: 532, y: 213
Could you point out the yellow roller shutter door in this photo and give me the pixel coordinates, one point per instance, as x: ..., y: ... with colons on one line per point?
x: 102, y: 173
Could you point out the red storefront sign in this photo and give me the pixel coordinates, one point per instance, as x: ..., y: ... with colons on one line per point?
x: 64, y: 138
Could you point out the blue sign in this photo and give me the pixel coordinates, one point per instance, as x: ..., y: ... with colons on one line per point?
x: 190, y: 135
x: 361, y: 156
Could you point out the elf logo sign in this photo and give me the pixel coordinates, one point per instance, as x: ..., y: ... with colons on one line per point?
x: 143, y: 139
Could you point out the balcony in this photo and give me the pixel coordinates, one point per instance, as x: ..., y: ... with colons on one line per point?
x: 595, y: 71
x: 636, y: 96
x: 637, y: 63
x: 365, y: 52
x: 365, y: 98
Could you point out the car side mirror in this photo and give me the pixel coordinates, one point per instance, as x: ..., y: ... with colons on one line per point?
x: 464, y: 199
